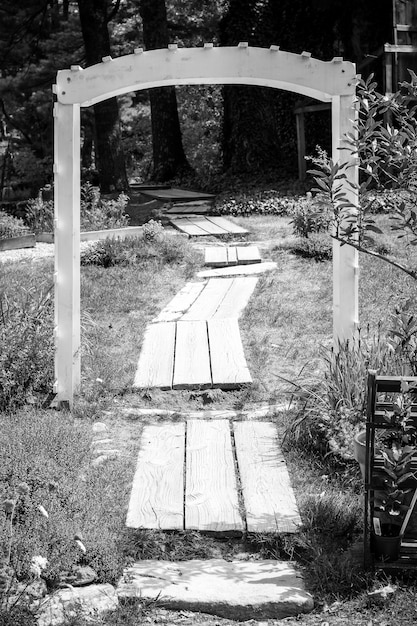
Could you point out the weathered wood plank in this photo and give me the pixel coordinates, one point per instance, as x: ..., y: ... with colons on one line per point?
x: 216, y: 256
x: 192, y: 361
x: 209, y: 226
x: 209, y: 300
x: 229, y: 226
x: 237, y: 297
x: 231, y: 255
x: 242, y: 270
x: 188, y: 226
x: 178, y: 195
x: 211, y: 502
x: 156, y: 360
x: 21, y: 241
x: 267, y: 492
x: 180, y: 303
x: 157, y: 496
x: 200, y: 207
x: 228, y: 364
x: 248, y: 254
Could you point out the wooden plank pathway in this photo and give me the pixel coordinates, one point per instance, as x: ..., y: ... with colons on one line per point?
x: 221, y: 256
x: 195, y: 341
x: 212, y: 476
x: 184, y: 355
x: 173, y: 194
x: 239, y: 270
x: 205, y: 225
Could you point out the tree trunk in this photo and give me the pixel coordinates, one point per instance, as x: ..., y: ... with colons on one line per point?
x: 109, y: 153
x: 169, y: 158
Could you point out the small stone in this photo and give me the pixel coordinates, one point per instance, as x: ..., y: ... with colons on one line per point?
x: 103, y: 458
x: 79, y: 576
x: 99, y: 442
x: 100, y: 427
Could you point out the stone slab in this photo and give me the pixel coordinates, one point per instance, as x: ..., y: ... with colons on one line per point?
x: 91, y: 601
x: 239, y: 590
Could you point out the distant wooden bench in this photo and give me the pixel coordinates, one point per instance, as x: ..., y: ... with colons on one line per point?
x: 222, y: 256
x: 198, y: 226
x: 212, y: 476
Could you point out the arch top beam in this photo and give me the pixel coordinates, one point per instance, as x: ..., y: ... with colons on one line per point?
x: 299, y: 73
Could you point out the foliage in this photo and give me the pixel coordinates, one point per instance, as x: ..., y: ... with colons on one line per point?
x: 26, y: 346
x: 334, y: 406
x: 152, y: 245
x: 99, y: 214
x: 96, y: 212
x: 387, y: 158
x: 11, y: 226
x: 317, y: 246
x: 307, y: 219
x: 257, y: 202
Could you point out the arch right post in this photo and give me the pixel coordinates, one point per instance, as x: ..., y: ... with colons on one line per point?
x: 345, y: 257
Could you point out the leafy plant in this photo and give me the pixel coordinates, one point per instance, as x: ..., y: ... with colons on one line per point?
x: 387, y: 158
x: 40, y: 214
x: 316, y: 246
x: 11, y: 226
x: 100, y: 214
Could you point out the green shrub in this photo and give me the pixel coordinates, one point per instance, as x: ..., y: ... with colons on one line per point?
x: 11, y: 226
x: 40, y: 214
x: 269, y: 202
x: 96, y: 213
x: 310, y: 216
x: 316, y: 246
x: 26, y: 347
x: 152, y: 245
x: 334, y: 404
x: 100, y: 214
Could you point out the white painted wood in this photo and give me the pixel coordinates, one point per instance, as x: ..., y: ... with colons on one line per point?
x: 157, y: 496
x: 332, y: 81
x: 228, y: 364
x: 156, y: 360
x: 180, y: 303
x: 267, y: 492
x: 345, y: 258
x: 225, y: 65
x: 192, y: 362
x: 239, y: 270
x: 216, y: 256
x: 227, y: 225
x: 211, y: 502
x: 209, y: 300
x: 248, y: 254
x: 237, y: 297
x: 231, y: 255
x: 67, y: 251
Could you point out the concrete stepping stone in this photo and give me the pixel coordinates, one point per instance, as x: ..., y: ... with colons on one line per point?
x: 238, y: 590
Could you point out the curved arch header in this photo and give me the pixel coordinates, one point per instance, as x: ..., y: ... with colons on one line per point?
x: 299, y: 73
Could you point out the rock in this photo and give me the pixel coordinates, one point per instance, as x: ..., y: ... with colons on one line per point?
x: 79, y: 576
x: 102, y: 459
x: 65, y: 603
x: 238, y: 590
x: 100, y: 427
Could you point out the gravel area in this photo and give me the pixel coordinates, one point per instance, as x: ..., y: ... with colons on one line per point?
x: 40, y: 251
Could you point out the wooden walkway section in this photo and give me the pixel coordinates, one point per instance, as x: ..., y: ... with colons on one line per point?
x: 212, y: 476
x: 223, y: 256
x: 194, y: 354
x: 195, y: 342
x: 205, y: 225
x: 172, y: 194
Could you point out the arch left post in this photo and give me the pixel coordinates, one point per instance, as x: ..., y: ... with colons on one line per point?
x: 67, y: 252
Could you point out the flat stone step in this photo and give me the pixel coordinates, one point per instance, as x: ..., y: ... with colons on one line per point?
x: 238, y: 590
x: 200, y: 226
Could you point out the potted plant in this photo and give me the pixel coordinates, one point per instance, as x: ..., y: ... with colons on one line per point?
x: 394, y: 478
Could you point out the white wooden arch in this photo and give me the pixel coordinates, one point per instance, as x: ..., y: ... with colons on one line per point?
x: 332, y: 81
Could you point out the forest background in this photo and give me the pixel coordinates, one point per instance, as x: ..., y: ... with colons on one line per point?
x: 199, y: 134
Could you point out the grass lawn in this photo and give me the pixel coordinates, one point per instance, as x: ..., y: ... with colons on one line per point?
x: 284, y: 326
